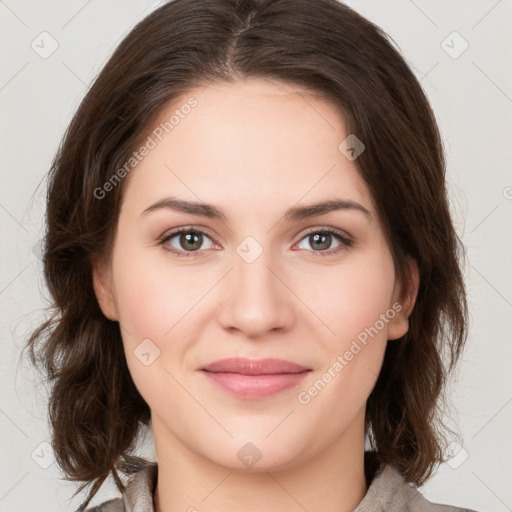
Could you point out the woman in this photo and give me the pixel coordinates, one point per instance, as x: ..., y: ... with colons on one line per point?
x: 250, y: 252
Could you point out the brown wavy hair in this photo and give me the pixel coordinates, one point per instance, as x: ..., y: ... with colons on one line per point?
x: 95, y: 410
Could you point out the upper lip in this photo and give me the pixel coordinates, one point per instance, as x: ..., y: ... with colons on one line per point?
x: 253, y: 366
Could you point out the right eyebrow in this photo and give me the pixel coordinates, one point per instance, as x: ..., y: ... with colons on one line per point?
x: 191, y: 207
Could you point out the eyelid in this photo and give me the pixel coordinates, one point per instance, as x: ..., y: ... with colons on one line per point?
x: 344, y: 238
x: 176, y: 231
x: 328, y: 229
x: 171, y: 233
x: 207, y: 231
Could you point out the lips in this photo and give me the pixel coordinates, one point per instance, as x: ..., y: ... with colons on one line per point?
x: 254, y: 379
x: 254, y: 366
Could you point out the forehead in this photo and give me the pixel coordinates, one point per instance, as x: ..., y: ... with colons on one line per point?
x: 247, y: 143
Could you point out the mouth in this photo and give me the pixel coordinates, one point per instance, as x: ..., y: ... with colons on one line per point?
x: 254, y: 379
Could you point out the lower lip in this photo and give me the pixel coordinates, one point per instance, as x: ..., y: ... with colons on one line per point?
x: 255, y: 386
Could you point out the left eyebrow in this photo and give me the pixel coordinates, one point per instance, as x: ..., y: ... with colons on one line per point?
x: 311, y: 210
x: 292, y: 214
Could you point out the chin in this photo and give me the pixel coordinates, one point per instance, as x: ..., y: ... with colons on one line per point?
x: 258, y: 456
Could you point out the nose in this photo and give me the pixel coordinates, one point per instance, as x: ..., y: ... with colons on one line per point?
x: 256, y: 298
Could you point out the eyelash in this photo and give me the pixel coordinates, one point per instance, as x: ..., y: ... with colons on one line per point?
x: 342, y: 238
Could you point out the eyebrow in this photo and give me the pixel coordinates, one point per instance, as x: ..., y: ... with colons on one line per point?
x: 295, y: 213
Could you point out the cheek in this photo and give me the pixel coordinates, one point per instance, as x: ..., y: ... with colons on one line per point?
x: 152, y: 297
x: 141, y: 301
x: 351, y: 298
x: 149, y: 304
x: 355, y: 346
x: 152, y: 304
x: 361, y: 311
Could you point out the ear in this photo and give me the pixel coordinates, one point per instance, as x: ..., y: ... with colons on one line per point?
x: 404, y: 298
x: 103, y: 288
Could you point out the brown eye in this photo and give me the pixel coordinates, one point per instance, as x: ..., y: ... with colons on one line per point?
x: 320, y: 242
x: 183, y: 241
x: 190, y: 241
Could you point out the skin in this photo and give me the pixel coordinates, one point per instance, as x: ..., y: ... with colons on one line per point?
x: 243, y: 142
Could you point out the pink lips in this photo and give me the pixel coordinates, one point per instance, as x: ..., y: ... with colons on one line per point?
x: 249, y: 378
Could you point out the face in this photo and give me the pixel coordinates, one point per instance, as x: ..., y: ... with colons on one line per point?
x: 253, y: 275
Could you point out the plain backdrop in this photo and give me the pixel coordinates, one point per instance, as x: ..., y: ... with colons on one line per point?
x: 460, y: 50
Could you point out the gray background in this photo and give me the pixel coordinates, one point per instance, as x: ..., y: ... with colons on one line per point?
x: 471, y: 93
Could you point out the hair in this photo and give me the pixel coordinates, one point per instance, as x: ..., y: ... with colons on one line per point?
x: 95, y: 410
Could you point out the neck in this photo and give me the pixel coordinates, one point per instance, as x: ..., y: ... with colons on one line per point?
x: 332, y: 480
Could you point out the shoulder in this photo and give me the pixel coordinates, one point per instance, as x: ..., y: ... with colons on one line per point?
x: 138, y: 494
x: 114, y: 505
x: 390, y: 491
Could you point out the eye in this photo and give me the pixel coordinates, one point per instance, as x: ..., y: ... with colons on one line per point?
x: 187, y: 242
x: 321, y: 239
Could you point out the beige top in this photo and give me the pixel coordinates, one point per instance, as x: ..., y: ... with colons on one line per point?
x: 388, y: 492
